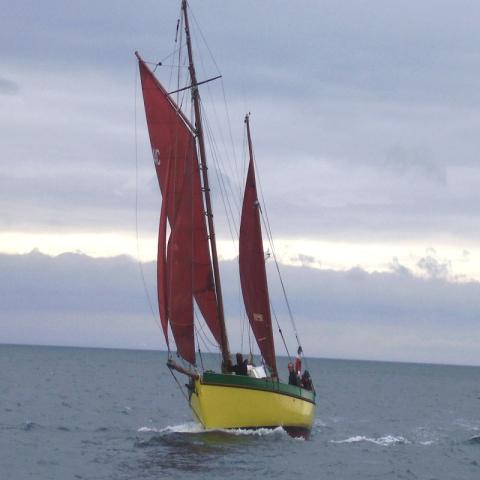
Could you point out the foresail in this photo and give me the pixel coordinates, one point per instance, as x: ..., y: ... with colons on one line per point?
x: 253, y: 277
x: 173, y: 145
x: 179, y: 270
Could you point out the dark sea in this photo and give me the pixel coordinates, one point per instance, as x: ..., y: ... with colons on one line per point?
x: 74, y: 413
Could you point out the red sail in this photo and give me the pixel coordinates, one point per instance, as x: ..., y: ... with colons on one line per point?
x: 253, y: 276
x: 162, y: 265
x: 173, y: 144
x: 179, y: 270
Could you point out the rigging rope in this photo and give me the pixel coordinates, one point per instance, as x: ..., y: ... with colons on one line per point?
x: 184, y: 395
x: 266, y: 223
x: 270, y: 239
x: 199, y: 352
x: 223, y: 189
x: 234, y: 170
x: 204, y: 336
x: 280, y: 331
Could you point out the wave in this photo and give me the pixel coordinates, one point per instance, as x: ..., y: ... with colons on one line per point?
x: 385, y: 441
x: 102, y: 429
x: 475, y: 440
x: 319, y: 423
x: 427, y: 442
x: 189, y: 427
x: 260, y: 432
x: 27, y: 426
x: 193, y: 427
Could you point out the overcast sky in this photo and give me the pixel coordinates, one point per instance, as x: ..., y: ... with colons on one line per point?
x: 365, y: 118
x: 73, y: 299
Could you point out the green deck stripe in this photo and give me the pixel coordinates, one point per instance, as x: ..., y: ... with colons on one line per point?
x: 265, y: 384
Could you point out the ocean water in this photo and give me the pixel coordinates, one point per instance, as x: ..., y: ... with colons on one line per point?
x: 71, y: 413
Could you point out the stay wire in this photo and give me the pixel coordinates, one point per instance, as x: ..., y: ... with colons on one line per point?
x: 199, y: 351
x: 280, y: 331
x: 184, y: 395
x: 205, y: 338
x: 225, y: 186
x: 223, y: 191
x: 270, y: 239
x: 222, y: 188
x: 230, y: 220
x: 234, y: 170
x: 266, y: 223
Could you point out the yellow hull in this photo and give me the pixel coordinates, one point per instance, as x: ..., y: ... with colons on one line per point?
x: 233, y: 406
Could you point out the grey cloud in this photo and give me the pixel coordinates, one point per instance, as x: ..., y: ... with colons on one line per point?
x: 364, y: 116
x: 8, y: 87
x: 396, y: 267
x: 417, y: 159
x: 345, y: 314
x: 388, y: 299
x: 433, y: 266
x: 348, y: 49
x: 305, y: 260
x: 70, y: 282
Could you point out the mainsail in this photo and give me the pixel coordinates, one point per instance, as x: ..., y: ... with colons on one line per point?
x: 253, y: 277
x: 188, y: 264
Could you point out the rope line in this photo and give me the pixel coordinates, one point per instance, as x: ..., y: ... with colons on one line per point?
x: 185, y: 395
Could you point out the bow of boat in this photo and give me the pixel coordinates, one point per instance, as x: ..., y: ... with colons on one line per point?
x: 223, y: 401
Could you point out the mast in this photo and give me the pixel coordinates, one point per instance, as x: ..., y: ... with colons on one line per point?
x: 206, y: 190
x: 249, y: 138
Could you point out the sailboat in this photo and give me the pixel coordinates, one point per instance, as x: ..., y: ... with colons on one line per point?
x: 188, y: 272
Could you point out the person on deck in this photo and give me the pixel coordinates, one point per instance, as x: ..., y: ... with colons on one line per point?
x: 306, y: 381
x: 298, y: 362
x: 292, y: 376
x: 241, y: 367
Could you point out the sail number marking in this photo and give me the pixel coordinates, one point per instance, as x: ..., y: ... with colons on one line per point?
x: 156, y: 156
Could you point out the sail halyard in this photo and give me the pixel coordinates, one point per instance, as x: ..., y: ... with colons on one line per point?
x: 253, y: 277
x: 206, y: 189
x: 173, y: 144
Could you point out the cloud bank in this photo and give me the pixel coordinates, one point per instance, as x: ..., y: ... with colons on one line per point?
x: 73, y: 299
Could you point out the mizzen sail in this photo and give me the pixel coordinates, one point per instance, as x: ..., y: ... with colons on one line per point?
x: 253, y: 277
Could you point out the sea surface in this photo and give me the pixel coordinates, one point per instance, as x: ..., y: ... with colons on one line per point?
x: 73, y: 413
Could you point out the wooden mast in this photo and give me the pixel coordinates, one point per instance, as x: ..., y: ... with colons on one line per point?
x: 208, y: 204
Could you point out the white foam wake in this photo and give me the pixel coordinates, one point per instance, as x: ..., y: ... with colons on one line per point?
x: 383, y: 441
x: 319, y: 423
x: 188, y: 427
x: 193, y: 427
x: 427, y: 442
x: 260, y: 432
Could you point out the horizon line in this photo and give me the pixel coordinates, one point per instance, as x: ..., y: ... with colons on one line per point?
x: 312, y: 357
